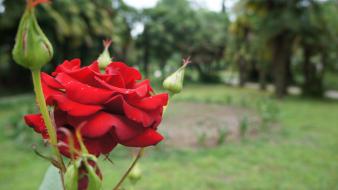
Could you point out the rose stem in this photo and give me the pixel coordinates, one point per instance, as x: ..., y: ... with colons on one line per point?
x: 138, y: 156
x: 46, y: 117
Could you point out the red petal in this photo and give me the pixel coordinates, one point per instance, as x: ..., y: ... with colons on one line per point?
x: 60, y: 117
x: 95, y: 67
x: 88, y: 76
x: 115, y: 105
x: 50, y: 81
x: 36, y: 121
x: 101, y: 123
x: 152, y: 102
x: 141, y: 90
x: 68, y: 66
x: 118, y: 102
x: 129, y: 74
x: 126, y: 129
x: 137, y: 115
x: 74, y: 108
x: 102, y: 145
x: 83, y: 93
x: 95, y: 125
x: 148, y: 138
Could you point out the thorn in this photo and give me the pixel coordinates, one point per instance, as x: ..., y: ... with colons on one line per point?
x: 107, y: 158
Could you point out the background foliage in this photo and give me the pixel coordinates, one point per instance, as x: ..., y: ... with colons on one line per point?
x: 266, y: 41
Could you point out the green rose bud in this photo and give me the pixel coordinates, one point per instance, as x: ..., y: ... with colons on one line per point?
x: 93, y: 174
x: 135, y: 174
x: 83, y: 173
x: 32, y: 48
x: 105, y: 59
x: 174, y: 83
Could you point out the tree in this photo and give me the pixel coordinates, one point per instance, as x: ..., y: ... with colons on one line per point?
x: 185, y: 31
x: 283, y: 26
x: 75, y: 28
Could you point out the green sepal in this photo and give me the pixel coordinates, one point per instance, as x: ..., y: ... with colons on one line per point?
x: 94, y: 181
x: 72, y: 175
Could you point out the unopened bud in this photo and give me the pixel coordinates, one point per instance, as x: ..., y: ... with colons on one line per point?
x: 93, y: 174
x: 32, y: 49
x: 174, y: 82
x: 104, y: 59
x: 83, y: 173
x: 135, y: 174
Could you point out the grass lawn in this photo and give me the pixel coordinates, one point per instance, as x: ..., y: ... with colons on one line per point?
x: 303, y: 154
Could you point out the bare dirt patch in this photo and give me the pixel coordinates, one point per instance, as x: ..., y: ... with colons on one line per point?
x: 191, y: 125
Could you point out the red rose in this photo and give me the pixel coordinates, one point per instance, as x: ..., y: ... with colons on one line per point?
x: 111, y: 107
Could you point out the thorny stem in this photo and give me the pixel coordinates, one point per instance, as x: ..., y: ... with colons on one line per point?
x: 138, y: 156
x: 46, y: 118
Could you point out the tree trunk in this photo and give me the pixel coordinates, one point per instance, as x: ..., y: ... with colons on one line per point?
x: 313, y: 77
x: 263, y: 77
x: 242, y: 72
x: 223, y: 6
x: 281, y: 61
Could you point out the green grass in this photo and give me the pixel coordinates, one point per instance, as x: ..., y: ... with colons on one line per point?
x: 302, y: 155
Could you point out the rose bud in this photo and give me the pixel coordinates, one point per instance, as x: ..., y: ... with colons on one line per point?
x: 104, y: 59
x: 83, y: 174
x: 135, y: 174
x: 32, y: 48
x: 174, y: 83
x: 92, y: 177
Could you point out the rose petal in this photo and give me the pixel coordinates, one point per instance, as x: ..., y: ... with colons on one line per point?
x: 102, y: 145
x: 133, y: 113
x: 83, y: 93
x: 36, y: 122
x: 50, y: 81
x: 73, y: 108
x: 67, y: 66
x: 129, y: 74
x: 152, y: 102
x: 60, y: 117
x: 94, y: 125
x: 147, y: 138
x: 95, y: 67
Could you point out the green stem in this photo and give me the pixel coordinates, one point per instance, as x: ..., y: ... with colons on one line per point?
x: 45, y: 115
x: 138, y: 156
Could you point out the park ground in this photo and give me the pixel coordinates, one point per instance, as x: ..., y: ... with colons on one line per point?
x: 218, y: 138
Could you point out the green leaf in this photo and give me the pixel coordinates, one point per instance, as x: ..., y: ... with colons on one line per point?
x: 51, y: 180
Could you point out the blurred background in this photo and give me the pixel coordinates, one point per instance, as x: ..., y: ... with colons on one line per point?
x: 260, y: 104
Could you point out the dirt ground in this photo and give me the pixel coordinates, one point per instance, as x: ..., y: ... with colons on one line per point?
x: 189, y: 125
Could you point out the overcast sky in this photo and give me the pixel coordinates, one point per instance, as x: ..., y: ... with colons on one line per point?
x: 215, y: 5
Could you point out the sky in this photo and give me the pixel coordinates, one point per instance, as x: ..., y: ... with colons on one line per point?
x: 215, y: 5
